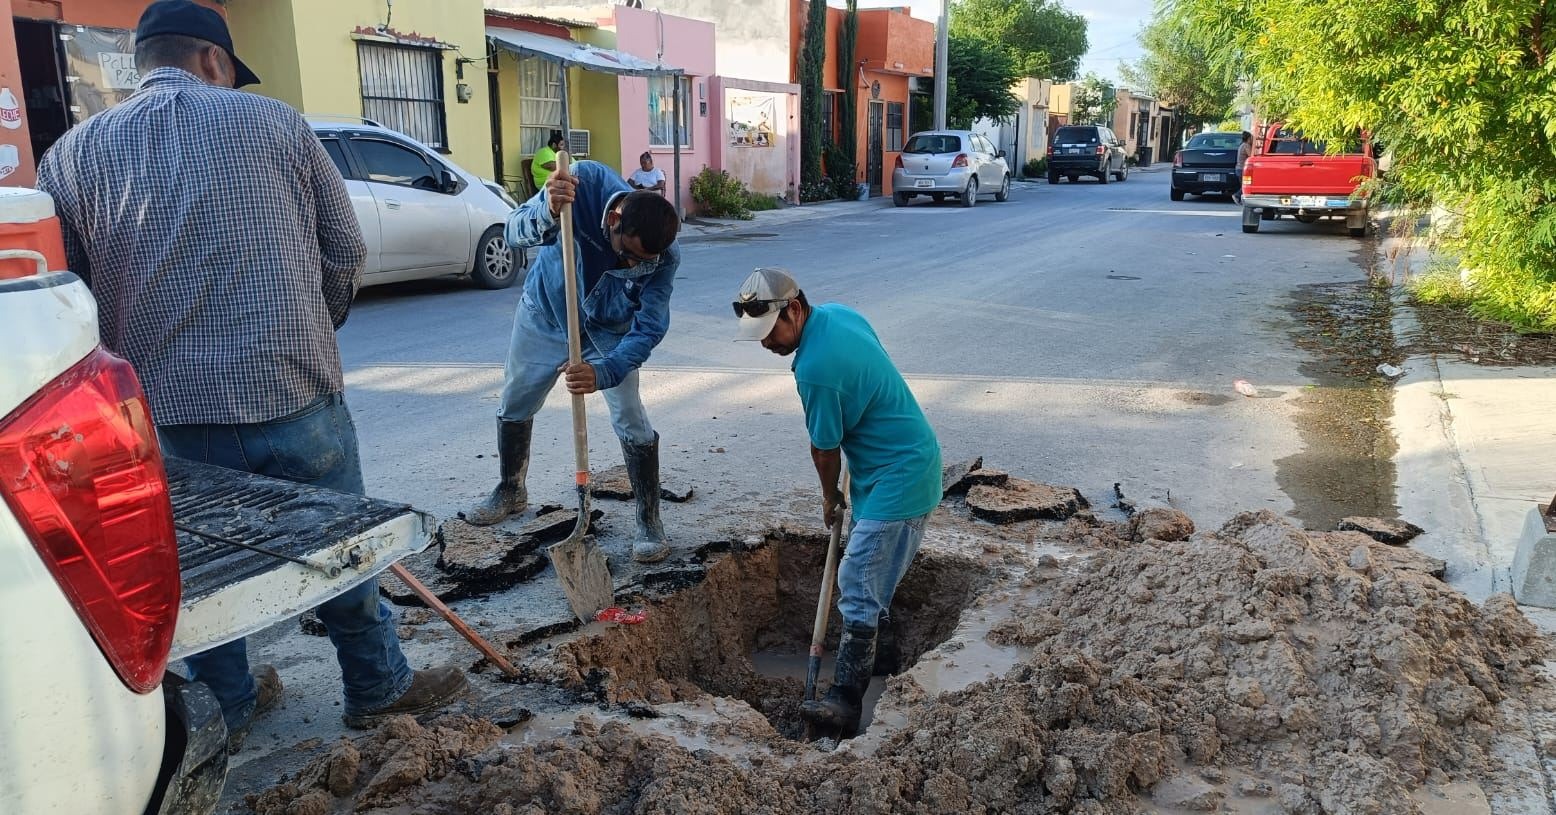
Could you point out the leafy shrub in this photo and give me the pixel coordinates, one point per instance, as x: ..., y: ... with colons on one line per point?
x: 1035, y: 167
x: 721, y: 194
x: 761, y: 203
x: 812, y: 191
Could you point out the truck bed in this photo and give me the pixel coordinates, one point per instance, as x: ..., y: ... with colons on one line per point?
x: 230, y: 591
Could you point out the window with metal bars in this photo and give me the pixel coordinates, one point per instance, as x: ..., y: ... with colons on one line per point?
x: 664, y: 121
x: 894, y: 126
x: 540, y: 102
x: 402, y: 89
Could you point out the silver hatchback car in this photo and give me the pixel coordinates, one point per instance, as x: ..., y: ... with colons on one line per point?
x: 960, y: 163
x: 421, y: 215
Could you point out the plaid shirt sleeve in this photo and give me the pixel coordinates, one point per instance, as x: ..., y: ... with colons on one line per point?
x: 54, y: 181
x: 342, y: 250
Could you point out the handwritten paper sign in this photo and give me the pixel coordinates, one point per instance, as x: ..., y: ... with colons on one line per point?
x: 119, y: 71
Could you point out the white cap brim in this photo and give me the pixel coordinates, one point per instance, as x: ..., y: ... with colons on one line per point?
x: 756, y: 329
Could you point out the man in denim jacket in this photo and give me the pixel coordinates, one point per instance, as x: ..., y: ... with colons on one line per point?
x: 627, y: 259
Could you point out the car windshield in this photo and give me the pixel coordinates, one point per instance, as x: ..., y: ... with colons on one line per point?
x: 1076, y: 135
x: 1215, y: 141
x: 933, y: 143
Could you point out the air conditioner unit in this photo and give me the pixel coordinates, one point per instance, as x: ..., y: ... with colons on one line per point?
x: 919, y: 84
x: 578, y: 142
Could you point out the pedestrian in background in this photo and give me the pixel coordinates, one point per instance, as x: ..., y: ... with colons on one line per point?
x: 647, y: 176
x: 221, y: 246
x: 544, y: 164
x: 1244, y: 152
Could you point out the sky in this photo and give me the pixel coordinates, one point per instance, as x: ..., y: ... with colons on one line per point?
x: 1112, y: 25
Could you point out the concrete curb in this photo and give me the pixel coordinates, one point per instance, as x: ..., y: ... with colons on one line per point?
x: 701, y: 229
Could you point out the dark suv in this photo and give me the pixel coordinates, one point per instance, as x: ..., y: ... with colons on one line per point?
x: 1078, y: 150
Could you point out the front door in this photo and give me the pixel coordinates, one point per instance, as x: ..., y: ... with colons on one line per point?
x: 874, y: 155
x: 421, y: 226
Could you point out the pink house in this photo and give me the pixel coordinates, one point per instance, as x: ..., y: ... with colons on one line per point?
x: 649, y: 119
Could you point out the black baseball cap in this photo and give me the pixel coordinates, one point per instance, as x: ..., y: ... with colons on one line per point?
x: 189, y: 19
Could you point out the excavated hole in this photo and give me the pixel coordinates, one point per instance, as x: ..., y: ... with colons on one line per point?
x: 744, y: 632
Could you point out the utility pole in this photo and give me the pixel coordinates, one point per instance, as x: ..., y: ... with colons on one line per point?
x: 942, y: 38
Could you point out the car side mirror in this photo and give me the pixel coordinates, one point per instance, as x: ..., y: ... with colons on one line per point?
x: 448, y: 182
x: 999, y: 154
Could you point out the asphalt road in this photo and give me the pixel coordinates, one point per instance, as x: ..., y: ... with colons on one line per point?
x: 1079, y: 334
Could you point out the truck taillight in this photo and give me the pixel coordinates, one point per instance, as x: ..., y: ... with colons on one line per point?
x: 81, y: 471
x: 1050, y: 149
x: 960, y: 160
x: 1101, y: 149
x: 898, y: 163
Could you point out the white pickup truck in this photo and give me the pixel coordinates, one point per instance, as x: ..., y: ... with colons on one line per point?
x: 115, y: 562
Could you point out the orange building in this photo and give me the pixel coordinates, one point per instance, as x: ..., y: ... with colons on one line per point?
x: 892, y: 49
x: 60, y: 62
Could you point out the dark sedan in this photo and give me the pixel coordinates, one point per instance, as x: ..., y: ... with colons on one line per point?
x: 1207, y: 165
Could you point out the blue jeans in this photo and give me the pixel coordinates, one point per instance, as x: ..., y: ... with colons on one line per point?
x: 878, y: 555
x: 316, y: 446
x: 535, y: 352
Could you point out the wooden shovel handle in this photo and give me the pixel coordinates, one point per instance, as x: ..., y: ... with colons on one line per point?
x: 574, y: 334
x: 452, y: 619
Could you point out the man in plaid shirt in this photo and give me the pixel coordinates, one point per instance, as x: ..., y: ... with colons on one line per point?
x: 221, y: 245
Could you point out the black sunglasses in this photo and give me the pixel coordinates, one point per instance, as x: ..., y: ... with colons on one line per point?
x: 624, y: 254
x: 758, y: 308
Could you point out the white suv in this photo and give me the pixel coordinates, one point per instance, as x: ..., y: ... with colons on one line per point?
x: 422, y: 216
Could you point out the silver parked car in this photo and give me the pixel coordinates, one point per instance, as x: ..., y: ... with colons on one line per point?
x: 421, y: 215
x: 938, y: 163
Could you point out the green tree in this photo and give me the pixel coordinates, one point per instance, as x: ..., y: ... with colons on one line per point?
x: 1092, y: 101
x: 848, y: 80
x: 1462, y: 95
x: 981, y: 74
x: 813, y: 55
x: 1179, y: 72
x: 1043, y: 38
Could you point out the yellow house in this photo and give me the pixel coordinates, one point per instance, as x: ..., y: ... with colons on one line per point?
x: 527, y: 102
x: 417, y: 66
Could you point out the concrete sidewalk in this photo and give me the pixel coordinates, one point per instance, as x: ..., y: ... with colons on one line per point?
x: 699, y: 228
x: 1474, y: 456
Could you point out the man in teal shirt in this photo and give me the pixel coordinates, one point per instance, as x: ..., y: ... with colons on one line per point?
x: 856, y: 403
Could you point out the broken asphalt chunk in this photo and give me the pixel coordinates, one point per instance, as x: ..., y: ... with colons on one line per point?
x: 1383, y: 530
x: 1021, y: 500
x: 613, y: 484
x: 953, y: 476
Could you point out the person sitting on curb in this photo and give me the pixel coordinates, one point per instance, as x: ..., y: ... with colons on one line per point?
x: 627, y: 259
x: 856, y: 403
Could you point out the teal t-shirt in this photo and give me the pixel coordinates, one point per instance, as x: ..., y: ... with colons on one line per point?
x: 854, y: 397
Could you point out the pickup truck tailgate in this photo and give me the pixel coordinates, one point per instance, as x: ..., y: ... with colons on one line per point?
x: 230, y: 591
x: 1305, y: 174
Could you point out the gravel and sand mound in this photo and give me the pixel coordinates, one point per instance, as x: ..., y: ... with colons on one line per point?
x: 1257, y: 669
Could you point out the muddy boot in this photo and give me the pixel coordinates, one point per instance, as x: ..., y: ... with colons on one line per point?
x: 651, y: 545
x: 513, y: 463
x: 429, y: 690
x: 267, y: 684
x: 839, y: 710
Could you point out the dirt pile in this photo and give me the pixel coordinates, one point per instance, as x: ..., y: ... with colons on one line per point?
x: 1260, y: 668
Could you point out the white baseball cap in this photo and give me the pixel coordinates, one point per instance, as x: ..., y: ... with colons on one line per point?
x: 764, y: 295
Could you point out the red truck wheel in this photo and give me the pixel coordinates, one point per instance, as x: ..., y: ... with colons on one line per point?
x: 1250, y: 220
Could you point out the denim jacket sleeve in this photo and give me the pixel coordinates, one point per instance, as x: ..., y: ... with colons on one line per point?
x: 532, y: 223
x: 649, y: 325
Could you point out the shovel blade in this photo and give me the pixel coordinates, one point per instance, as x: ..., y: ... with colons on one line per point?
x: 585, y: 576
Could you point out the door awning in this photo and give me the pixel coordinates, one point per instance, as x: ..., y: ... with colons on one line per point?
x: 571, y: 53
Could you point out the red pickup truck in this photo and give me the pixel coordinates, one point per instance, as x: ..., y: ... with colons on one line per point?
x: 1293, y: 175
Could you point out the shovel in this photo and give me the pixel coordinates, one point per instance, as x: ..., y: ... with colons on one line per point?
x: 585, y: 576
x: 818, y: 635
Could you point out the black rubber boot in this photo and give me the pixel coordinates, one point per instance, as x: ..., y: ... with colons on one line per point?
x: 651, y: 545
x: 513, y: 463
x: 839, y: 710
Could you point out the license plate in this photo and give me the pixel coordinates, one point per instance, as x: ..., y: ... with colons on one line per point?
x: 1073, y: 151
x: 1310, y: 201
x: 924, y: 182
x: 1212, y: 177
